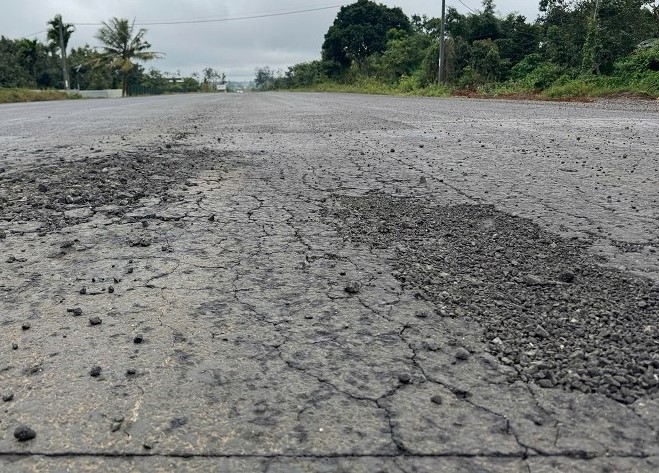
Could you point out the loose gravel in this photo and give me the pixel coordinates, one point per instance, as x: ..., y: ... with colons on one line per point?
x: 547, y: 308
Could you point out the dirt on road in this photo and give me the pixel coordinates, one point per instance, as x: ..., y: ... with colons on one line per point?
x: 317, y: 282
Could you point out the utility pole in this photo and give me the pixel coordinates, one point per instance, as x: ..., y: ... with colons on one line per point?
x: 65, y: 70
x: 442, y: 46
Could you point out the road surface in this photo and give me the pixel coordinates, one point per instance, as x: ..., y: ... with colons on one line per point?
x: 316, y: 282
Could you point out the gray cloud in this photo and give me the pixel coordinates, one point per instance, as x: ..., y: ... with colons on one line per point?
x: 235, y: 47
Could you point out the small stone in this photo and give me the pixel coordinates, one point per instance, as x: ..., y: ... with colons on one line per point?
x: 462, y: 354
x: 461, y: 392
x: 642, y: 304
x: 95, y: 371
x: 566, y: 276
x: 77, y: 312
x: 139, y: 338
x: 353, y: 287
x: 14, y: 346
x: 422, y: 180
x: 23, y: 433
x: 131, y: 371
x: 42, y: 187
x: 437, y: 399
x: 96, y: 320
x: 7, y: 397
x: 531, y: 280
x: 115, y: 426
x: 211, y: 218
x: 497, y: 341
x: 110, y: 289
x: 405, y: 378
x: 83, y: 290
x: 541, y: 332
x: 26, y: 326
x: 422, y: 314
x: 545, y: 383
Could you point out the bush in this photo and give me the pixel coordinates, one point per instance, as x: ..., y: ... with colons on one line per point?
x: 526, y: 66
x: 641, y: 62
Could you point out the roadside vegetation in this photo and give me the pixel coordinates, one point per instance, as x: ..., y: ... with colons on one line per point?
x: 575, y: 49
x: 33, y: 70
x: 27, y: 95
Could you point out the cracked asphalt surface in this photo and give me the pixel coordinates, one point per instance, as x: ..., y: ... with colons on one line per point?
x: 315, y: 282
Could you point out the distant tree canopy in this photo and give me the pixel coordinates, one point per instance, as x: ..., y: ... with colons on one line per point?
x: 29, y: 63
x: 360, y: 30
x: 570, y: 38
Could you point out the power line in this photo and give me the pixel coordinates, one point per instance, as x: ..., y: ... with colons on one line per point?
x: 219, y: 20
x: 467, y: 6
x: 35, y: 34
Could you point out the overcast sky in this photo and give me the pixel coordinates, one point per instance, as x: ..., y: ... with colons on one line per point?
x: 234, y: 47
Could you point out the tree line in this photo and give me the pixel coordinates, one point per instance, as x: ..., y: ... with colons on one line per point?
x: 572, y: 40
x: 32, y: 64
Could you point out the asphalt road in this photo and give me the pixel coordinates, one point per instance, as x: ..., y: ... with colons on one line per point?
x: 313, y: 282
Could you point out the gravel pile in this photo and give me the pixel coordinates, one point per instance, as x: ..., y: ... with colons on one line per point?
x: 547, y: 308
x: 70, y: 192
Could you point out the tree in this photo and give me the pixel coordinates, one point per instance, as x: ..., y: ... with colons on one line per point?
x: 264, y: 77
x: 360, y: 30
x: 212, y: 78
x: 403, y: 56
x: 29, y: 54
x: 121, y: 47
x: 58, y: 36
x: 86, y: 75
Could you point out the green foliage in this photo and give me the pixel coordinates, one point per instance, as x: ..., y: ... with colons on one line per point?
x: 570, y: 50
x: 57, y: 25
x: 264, y: 78
x: 402, y: 56
x: 28, y: 64
x: 640, y: 62
x: 485, y: 61
x: 533, y: 73
x: 84, y: 74
x: 304, y: 74
x: 122, y: 46
x: 360, y: 30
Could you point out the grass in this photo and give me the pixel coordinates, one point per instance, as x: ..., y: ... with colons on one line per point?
x: 373, y: 87
x: 569, y: 89
x: 603, y: 87
x: 27, y: 95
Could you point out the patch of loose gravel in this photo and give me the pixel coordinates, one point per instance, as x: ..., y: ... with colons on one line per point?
x: 547, y: 308
x: 70, y: 192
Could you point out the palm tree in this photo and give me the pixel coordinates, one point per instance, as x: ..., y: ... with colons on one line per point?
x: 58, y: 36
x: 121, y: 47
